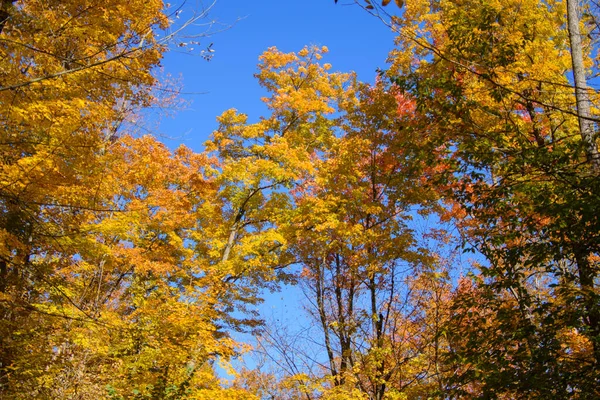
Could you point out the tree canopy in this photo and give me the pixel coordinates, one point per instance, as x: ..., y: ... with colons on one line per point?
x: 126, y: 266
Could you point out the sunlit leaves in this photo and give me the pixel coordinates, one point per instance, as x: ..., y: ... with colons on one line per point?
x: 491, y: 85
x: 105, y: 288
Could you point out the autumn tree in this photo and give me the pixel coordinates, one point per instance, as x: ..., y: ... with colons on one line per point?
x: 261, y: 162
x: 55, y: 125
x: 104, y: 288
x: 498, y: 119
x: 323, y: 184
x: 128, y: 307
x: 503, y: 346
x: 361, y: 261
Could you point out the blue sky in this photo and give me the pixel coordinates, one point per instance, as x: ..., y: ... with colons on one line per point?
x: 357, y: 42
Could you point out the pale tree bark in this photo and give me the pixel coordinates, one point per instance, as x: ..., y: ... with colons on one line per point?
x: 586, y: 124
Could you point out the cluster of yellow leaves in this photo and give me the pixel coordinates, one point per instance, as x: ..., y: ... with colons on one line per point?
x: 105, y: 288
x: 511, y: 57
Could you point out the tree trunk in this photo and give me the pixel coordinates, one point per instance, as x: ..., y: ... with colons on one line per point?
x: 586, y: 124
x: 319, y: 289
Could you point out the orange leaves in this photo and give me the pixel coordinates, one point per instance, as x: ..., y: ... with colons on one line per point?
x: 107, y: 285
x: 154, y: 285
x: 406, y: 106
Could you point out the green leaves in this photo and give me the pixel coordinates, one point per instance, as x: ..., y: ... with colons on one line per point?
x: 514, y: 165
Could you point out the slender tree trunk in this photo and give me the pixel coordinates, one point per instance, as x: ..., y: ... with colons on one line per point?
x: 586, y: 124
x: 319, y: 289
x: 342, y: 328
